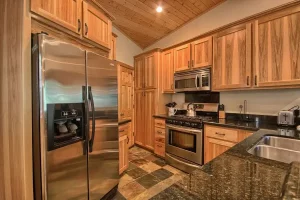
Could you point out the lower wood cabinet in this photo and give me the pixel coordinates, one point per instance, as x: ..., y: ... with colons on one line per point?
x: 219, y: 139
x: 123, y: 147
x: 159, y: 134
x: 144, y: 122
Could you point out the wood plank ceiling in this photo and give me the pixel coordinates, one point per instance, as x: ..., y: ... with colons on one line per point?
x: 139, y: 20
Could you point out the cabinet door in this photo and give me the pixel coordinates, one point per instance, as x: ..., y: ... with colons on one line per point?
x: 150, y: 71
x: 130, y: 135
x: 113, y: 46
x: 139, y: 73
x: 130, y: 94
x: 232, y: 58
x: 123, y: 148
x: 167, y: 75
x: 97, y: 27
x: 149, y: 105
x: 277, y: 49
x: 66, y: 13
x: 139, y: 118
x: 202, y: 53
x: 215, y: 147
x: 123, y: 92
x: 182, y: 57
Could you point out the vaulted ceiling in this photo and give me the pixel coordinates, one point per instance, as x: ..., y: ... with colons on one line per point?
x: 139, y: 20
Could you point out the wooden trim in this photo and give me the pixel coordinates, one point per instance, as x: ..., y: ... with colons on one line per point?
x: 148, y: 52
x: 231, y: 30
x: 115, y: 35
x: 125, y: 65
x: 251, y: 18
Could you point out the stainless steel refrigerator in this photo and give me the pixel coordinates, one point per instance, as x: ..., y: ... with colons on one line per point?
x: 75, y: 122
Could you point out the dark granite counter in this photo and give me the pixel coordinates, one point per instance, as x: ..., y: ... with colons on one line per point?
x: 237, y: 174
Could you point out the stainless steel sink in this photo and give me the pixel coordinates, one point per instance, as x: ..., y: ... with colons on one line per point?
x: 281, y: 142
x: 277, y: 148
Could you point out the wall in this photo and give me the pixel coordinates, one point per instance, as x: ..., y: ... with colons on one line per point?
x: 126, y: 48
x: 267, y: 102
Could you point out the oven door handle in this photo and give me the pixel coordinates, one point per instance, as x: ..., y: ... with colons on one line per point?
x: 187, y: 130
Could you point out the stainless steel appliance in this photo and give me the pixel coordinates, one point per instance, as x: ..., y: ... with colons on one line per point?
x: 196, y: 80
x: 72, y: 90
x: 287, y: 117
x: 184, y: 137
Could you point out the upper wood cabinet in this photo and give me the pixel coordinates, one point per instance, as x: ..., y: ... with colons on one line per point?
x: 182, y: 57
x: 146, y: 71
x: 167, y: 73
x: 97, y: 27
x: 232, y: 58
x: 66, y: 13
x: 113, y: 46
x: 201, y: 53
x: 277, y: 49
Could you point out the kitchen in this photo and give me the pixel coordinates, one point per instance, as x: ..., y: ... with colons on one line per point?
x: 231, y: 67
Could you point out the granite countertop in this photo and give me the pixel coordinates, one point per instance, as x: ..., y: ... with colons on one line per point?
x: 237, y: 174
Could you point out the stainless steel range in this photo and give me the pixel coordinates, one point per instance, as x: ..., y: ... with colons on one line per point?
x: 184, y: 137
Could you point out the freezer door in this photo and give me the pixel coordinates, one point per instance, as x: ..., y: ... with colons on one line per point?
x: 103, y: 161
x: 60, y: 78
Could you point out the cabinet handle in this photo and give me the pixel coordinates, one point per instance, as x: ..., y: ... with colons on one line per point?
x: 121, y: 131
x: 159, y: 124
x: 221, y: 134
x: 192, y: 63
x: 255, y: 80
x: 127, y: 140
x: 86, y: 28
x: 188, y: 64
x: 122, y: 114
x: 247, y: 80
x: 79, y: 25
x: 159, y: 145
x: 159, y: 132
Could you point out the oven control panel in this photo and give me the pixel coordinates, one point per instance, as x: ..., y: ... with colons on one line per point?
x: 184, y: 123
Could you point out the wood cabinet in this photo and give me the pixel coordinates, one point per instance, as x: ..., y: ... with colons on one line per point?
x: 167, y: 60
x: 97, y: 27
x: 197, y: 54
x: 113, y: 46
x: 66, y: 13
x: 219, y: 139
x: 182, y: 57
x: 144, y: 124
x: 159, y: 135
x: 123, y: 147
x: 130, y: 134
x: 277, y: 49
x: 139, y: 73
x: 126, y: 92
x: 232, y: 58
x: 201, y: 53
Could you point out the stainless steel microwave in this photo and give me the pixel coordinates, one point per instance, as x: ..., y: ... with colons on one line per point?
x: 196, y: 80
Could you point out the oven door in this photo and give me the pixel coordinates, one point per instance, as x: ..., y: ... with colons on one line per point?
x: 185, y: 143
x: 189, y: 82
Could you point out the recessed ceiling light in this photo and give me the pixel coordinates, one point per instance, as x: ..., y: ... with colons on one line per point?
x: 159, y: 9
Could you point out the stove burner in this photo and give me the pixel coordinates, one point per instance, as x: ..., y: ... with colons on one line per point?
x: 187, y: 121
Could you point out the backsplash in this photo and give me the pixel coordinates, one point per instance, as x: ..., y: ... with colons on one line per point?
x: 262, y: 102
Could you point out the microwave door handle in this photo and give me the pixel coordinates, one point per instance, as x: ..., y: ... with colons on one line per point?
x: 196, y: 82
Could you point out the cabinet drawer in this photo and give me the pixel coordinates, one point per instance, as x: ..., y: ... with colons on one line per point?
x: 159, y: 149
x: 160, y: 132
x: 221, y: 133
x: 160, y: 123
x: 160, y: 139
x: 123, y: 130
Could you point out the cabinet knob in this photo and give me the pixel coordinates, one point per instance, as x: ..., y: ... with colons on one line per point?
x: 255, y: 80
x: 127, y: 139
x: 247, y: 80
x: 188, y: 64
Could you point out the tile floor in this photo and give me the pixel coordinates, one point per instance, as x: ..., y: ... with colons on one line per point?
x: 148, y: 177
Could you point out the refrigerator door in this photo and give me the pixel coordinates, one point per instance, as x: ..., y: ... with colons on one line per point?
x: 103, y: 160
x: 59, y: 79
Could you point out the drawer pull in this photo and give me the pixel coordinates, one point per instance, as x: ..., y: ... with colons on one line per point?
x: 159, y: 145
x: 121, y: 131
x: 159, y: 132
x: 221, y: 134
x: 159, y: 123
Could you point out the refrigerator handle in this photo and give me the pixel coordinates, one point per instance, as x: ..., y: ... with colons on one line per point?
x: 86, y: 118
x: 91, y: 98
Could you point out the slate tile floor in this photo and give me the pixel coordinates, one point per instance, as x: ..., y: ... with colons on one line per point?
x: 149, y: 177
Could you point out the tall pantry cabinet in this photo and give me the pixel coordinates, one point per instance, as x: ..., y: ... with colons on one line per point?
x: 149, y: 99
